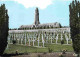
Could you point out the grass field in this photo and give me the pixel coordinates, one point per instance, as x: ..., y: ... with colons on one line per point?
x: 30, y: 49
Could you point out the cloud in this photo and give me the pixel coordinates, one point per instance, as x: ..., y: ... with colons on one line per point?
x: 67, y: 0
x: 42, y: 4
x: 6, y: 0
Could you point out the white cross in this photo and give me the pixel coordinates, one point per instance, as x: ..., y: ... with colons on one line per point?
x: 25, y: 38
x: 14, y: 36
x: 18, y: 40
x: 29, y: 42
x: 56, y: 38
x: 38, y: 40
x: 33, y: 41
x: 21, y: 41
x: 61, y: 37
x: 42, y: 40
x: 66, y: 38
x: 51, y: 40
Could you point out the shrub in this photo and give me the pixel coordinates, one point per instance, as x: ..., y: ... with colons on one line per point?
x: 64, y: 51
x: 61, y: 55
x: 39, y: 56
x: 62, y: 42
x: 14, y: 41
x: 50, y: 50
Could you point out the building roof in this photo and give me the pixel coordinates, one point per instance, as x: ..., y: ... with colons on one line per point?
x: 56, y: 24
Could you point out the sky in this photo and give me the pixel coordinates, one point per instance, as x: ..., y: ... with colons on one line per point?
x: 22, y: 12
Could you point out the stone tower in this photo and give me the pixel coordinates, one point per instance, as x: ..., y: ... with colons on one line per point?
x: 36, y: 21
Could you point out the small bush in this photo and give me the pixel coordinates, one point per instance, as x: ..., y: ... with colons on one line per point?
x: 16, y: 52
x: 50, y: 50
x: 14, y: 41
x: 39, y: 56
x: 62, y: 42
x: 45, y: 53
x: 61, y: 55
x: 64, y: 51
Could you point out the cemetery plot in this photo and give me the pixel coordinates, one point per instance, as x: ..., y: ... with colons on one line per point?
x: 39, y: 38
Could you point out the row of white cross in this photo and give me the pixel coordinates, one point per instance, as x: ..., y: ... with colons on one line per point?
x: 36, y: 37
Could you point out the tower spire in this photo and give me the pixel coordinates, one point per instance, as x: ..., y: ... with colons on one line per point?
x: 36, y: 22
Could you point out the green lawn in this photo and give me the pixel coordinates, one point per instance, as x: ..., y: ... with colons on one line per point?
x: 24, y: 49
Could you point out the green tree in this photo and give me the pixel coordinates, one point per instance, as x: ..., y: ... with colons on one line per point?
x: 76, y: 44
x: 74, y: 9
x: 3, y: 28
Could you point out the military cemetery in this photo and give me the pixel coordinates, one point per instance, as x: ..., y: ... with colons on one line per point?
x: 44, y: 40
